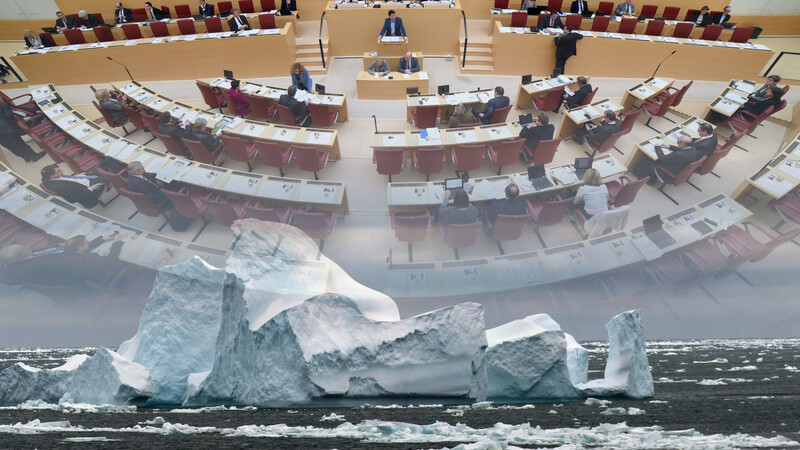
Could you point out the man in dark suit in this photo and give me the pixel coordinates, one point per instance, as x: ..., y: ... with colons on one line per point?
x: 539, y: 130
x: 167, y: 127
x: 287, y: 7
x: 761, y: 93
x: 64, y: 22
x: 706, y: 143
x: 598, y: 133
x: 122, y: 15
x: 408, y: 64
x: 10, y: 135
x: 565, y: 47
x: 682, y: 155
x: 757, y: 107
x: 393, y: 26
x: 579, y: 7
x: 154, y: 13
x: 499, y: 101
x: 701, y: 18
x: 509, y: 206
x: 83, y: 189
x: 86, y: 20
x: 299, y: 109
x: 139, y: 182
x: 551, y: 21
x: 205, y: 9
x: 577, y: 97
x: 625, y: 7
x: 238, y: 21
x: 719, y: 19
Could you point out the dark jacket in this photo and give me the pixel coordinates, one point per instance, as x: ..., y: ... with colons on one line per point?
x: 90, y: 21
x: 491, y: 105
x: 675, y: 161
x: 206, y: 11
x: 412, y: 65
x: 147, y: 187
x: 299, y: 109
x: 534, y: 135
x: 43, y: 37
x: 113, y: 107
x: 172, y: 130
x: 399, y: 29
x: 577, y: 98
x: 602, y: 132
x: 126, y: 13
x: 545, y: 23
x: 71, y: 23
x: 758, y: 107
x: 705, y: 147
x: 461, y: 119
x: 287, y: 7
x: 720, y: 18
x: 210, y: 140
x: 565, y: 45
x: 157, y: 14
x: 574, y: 8
x: 73, y: 192
x: 505, y: 206
x: 705, y: 21
x: 8, y: 124
x: 234, y: 26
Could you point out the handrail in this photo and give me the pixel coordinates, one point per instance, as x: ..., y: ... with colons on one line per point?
x: 321, y: 51
x: 464, y: 59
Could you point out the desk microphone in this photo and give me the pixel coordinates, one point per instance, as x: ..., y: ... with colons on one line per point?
x: 123, y: 65
x: 374, y: 119
x: 659, y: 64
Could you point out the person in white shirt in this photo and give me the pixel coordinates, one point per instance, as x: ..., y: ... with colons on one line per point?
x: 593, y: 194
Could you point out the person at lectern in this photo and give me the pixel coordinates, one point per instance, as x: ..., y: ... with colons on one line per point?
x: 408, y: 64
x: 393, y: 26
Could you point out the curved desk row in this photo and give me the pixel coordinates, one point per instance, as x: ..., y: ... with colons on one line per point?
x: 688, y: 127
x: 579, y: 259
x: 541, y: 86
x: 778, y: 177
x: 447, y: 102
x: 391, y: 87
x: 321, y: 194
x: 434, y: 137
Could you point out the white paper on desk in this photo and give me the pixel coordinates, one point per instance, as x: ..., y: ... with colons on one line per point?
x: 608, y: 167
x: 178, y: 111
x: 318, y: 193
x: 234, y: 123
x: 99, y: 141
x: 284, y: 134
x: 202, y: 177
x: 214, y: 35
x: 564, y: 174
x: 434, y: 136
x: 409, y: 195
x: 463, y: 135
x: 175, y: 170
x: 190, y: 115
x: 216, y: 82
x: 250, y: 88
x: 155, y: 164
x: 69, y: 48
x: 554, y: 82
x: 43, y: 214
x: 14, y: 201
x: 699, y: 42
x: 142, y: 96
x: 760, y: 47
x: 646, y: 248
x: 608, y: 105
x: 519, y: 30
x: 277, y: 189
x: 499, y: 132
x: 67, y: 121
x: 657, y: 83
x: 301, y: 96
x: 175, y: 38
x: 486, y: 189
x: 81, y: 131
x: 641, y: 37
x: 589, y: 109
x: 158, y: 40
x: 585, y: 33
x: 505, y: 29
x: 6, y: 179
x: 791, y: 168
x: 723, y: 213
x: 747, y: 46
x: 733, y: 96
x: 62, y: 224
x: 99, y: 45
x: 744, y: 86
x: 335, y: 100
x: 671, y: 40
x: 518, y: 272
x: 568, y: 91
x: 154, y: 254
x: 483, y: 97
x: 616, y: 253
x: 775, y: 184
x: 318, y: 137
x: 269, y: 31
x: 726, y: 106
x: 567, y: 264
x: 405, y: 75
x: 227, y: 34
x: 242, y: 184
x: 614, y: 35
x: 540, y: 85
x: 645, y: 92
x: 423, y: 75
x: 121, y: 150
x: 55, y: 111
x: 157, y: 103
x: 130, y: 87
x: 452, y: 100
x: 394, y: 140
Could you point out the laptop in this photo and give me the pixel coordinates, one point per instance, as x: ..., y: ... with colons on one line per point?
x: 656, y: 234
x: 728, y: 24
x: 412, y: 91
x: 444, y: 89
x: 581, y: 166
x: 50, y: 30
x: 526, y: 79
x: 533, y: 11
x: 538, y: 178
x: 525, y: 119
x: 319, y: 88
x: 587, y: 14
x: 453, y: 183
x: 642, y: 17
x: 228, y: 74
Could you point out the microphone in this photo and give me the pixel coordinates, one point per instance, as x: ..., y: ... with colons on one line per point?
x: 374, y: 119
x: 123, y: 65
x: 662, y: 62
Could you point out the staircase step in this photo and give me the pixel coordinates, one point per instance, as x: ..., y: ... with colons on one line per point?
x: 478, y: 69
x: 479, y: 58
x: 311, y: 50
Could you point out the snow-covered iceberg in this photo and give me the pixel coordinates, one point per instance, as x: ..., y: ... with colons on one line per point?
x: 21, y: 382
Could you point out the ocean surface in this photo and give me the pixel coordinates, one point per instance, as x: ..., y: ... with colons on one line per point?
x: 708, y: 394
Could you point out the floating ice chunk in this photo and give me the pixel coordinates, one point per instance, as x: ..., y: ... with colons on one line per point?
x: 596, y: 402
x: 332, y: 417
x: 108, y: 378
x: 713, y: 361
x: 21, y: 382
x: 742, y: 369
x: 623, y: 412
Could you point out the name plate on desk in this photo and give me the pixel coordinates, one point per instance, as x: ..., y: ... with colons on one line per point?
x: 498, y: 132
x: 392, y: 140
x: 314, y: 192
x: 284, y: 134
x: 252, y: 130
x: 319, y: 137
x: 283, y: 189
x: 466, y: 135
x: 242, y: 183
x: 202, y: 177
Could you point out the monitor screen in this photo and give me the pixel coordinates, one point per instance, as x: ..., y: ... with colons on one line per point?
x: 320, y: 89
x: 444, y: 89
x: 453, y: 183
x: 525, y: 119
x: 583, y: 163
x: 526, y: 79
x: 535, y: 171
x: 228, y: 74
x: 652, y: 224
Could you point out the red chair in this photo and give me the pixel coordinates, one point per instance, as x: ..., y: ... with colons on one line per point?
x: 703, y: 259
x: 425, y: 116
x: 103, y: 34
x: 189, y: 205
x: 239, y: 150
x: 165, y: 10
x: 666, y: 272
x: 309, y: 159
x: 139, y: 14
x: 501, y: 4
x: 505, y: 153
x: 74, y: 36
x: 201, y: 154
x: 159, y: 29
x: 683, y: 30
x: 739, y: 123
x: 746, y: 247
x: 266, y: 213
x: 507, y: 227
x: 49, y: 38
x: 143, y: 205
x: 137, y: 120
x: 183, y: 11
x: 410, y: 227
x: 273, y: 155
x: 649, y: 11
x: 230, y: 109
x: 519, y: 19
x: 500, y: 114
x: 681, y: 177
x: 741, y: 35
x: 586, y: 100
x: 316, y: 224
x: 623, y: 191
x: 322, y: 116
x: 267, y: 21
x: 99, y: 18
x: 132, y: 31
x: 545, y: 213
x: 389, y: 161
x: 467, y: 157
x: 711, y: 33
x: 186, y: 26
x: 671, y: 12
x: 224, y: 7
x: 471, y: 125
x: 575, y: 21
x: 600, y: 23
x: 428, y: 160
x: 545, y: 151
x: 628, y: 25
x: 286, y: 116
x: 654, y: 28
x: 267, y: 5
x: 550, y: 100
x: 150, y: 120
x: 656, y: 109
x: 458, y: 236
x: 606, y: 145
x: 720, y: 152
x: 788, y: 208
x: 210, y: 97
x: 260, y: 107
x: 213, y: 24
x: 111, y: 121
x: 246, y: 6
x: 689, y: 14
x: 678, y: 98
x: 606, y: 8
x: 554, y: 5
x: 224, y: 211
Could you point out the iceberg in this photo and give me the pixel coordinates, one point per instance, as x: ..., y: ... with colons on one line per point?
x: 21, y: 382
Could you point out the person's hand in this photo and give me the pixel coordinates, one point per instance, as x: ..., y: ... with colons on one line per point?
x: 379, y: 39
x: 405, y: 38
x: 530, y: 125
x: 110, y: 236
x: 96, y: 187
x: 409, y: 72
x: 480, y: 114
x: 446, y: 193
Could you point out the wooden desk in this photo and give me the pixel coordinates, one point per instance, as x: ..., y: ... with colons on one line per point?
x: 645, y: 91
x: 447, y: 102
x: 336, y: 102
x: 577, y: 117
x: 178, y: 60
x: 779, y: 177
x: 393, y: 60
x: 688, y: 127
x: 540, y: 87
x: 731, y: 99
x: 384, y: 88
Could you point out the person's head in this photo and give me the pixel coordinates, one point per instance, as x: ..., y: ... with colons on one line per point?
x: 727, y: 10
x: 379, y: 60
x: 684, y: 141
x: 235, y: 85
x: 148, y: 6
x: 76, y: 244
x: 291, y: 90
x: 704, y: 10
x: 629, y: 1
x: 775, y: 92
x: 298, y: 68
x: 461, y: 199
x: 460, y: 109
x: 202, y: 2
x: 164, y: 117
x: 582, y: 80
x: 773, y: 79
x: 392, y: 14
x: 705, y: 129
x: 407, y: 56
x: 610, y: 115
x: 135, y: 168
x: 592, y: 178
x: 13, y: 253
x: 199, y: 124
x: 235, y: 12
x: 61, y: 15
x: 568, y: 28
x: 542, y: 119
x: 512, y: 191
x: 101, y: 94
x: 29, y: 34
x: 118, y: 5
x: 51, y: 172
x: 499, y: 91
x: 553, y: 14
x: 83, y: 14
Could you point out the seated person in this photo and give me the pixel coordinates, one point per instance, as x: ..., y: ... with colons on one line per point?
x: 682, y: 155
x: 288, y: 7
x: 151, y: 188
x: 625, y: 8
x: 300, y: 78
x: 238, y: 22
x: 393, y: 26
x: 719, y: 19
x: 170, y: 128
x: 761, y: 93
x: 701, y: 18
x: 154, y: 13
x: 499, y: 101
x: 598, y: 133
x: 83, y: 189
x: 579, y: 7
x: 593, y: 195
x: 86, y: 21
x: 462, y: 115
x: 773, y: 98
x: 538, y: 130
x: 551, y: 21
x: 240, y: 103
x: 509, y: 206
x: 11, y: 134
x: 527, y: 4
x: 122, y: 15
x: 34, y: 41
x: 408, y: 64
x: 462, y: 211
x: 706, y: 144
x: 577, y: 97
x: 64, y: 22
x: 299, y: 109
x: 110, y: 103
x: 205, y: 9
x: 379, y: 66
x: 198, y: 132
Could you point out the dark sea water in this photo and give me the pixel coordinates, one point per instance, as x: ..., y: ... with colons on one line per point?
x: 731, y: 393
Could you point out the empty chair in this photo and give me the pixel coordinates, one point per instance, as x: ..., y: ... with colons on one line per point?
x: 545, y: 213
x: 183, y: 11
x: 224, y: 211
x: 213, y: 24
x: 654, y: 28
x: 467, y: 157
x: 720, y: 152
x: 656, y: 109
x: 628, y: 120
x: 711, y: 32
x: 501, y: 4
x: 224, y: 7
x: 139, y: 14
x: 273, y: 155
x: 143, y: 205
x: 239, y: 150
x: 505, y: 153
x: 500, y: 114
x: 554, y: 5
x: 131, y: 31
x: 649, y: 11
x: 165, y: 10
x: 739, y: 123
x: 211, y: 98
x: 267, y: 21
x: 186, y: 26
x: 136, y: 120
x: 190, y: 205
x: 788, y: 208
x: 309, y: 159
x: 201, y: 154
x: 550, y: 100
x: 74, y: 36
x: 606, y: 8
x: 246, y: 6
x: 103, y: 34
x: 159, y: 29
x: 683, y: 30
x: 286, y: 116
x: 428, y: 160
x: 667, y: 177
x: 671, y: 12
x: 269, y: 213
x: 389, y: 161
x: 628, y: 25
x: 600, y: 23
x: 150, y: 120
x: 260, y: 107
x: 741, y: 35
x: 545, y: 151
x: 678, y: 98
x: 575, y: 21
x: 410, y: 227
x: 267, y: 5
x: 425, y: 116
x: 666, y: 272
x: 321, y: 115
x: 743, y: 244
x: 316, y: 224
x: 606, y: 145
x: 458, y: 236
x: 623, y: 191
x: 507, y: 227
x: 519, y: 19
x: 689, y: 13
